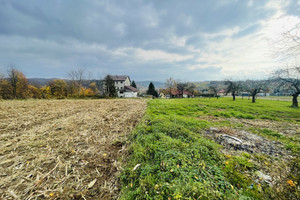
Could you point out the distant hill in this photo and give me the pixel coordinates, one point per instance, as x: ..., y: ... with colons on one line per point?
x: 40, y: 81
x: 143, y: 85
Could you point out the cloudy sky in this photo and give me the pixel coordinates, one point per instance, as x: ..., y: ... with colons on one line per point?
x: 191, y: 40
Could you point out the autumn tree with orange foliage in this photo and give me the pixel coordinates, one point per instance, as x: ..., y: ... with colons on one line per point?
x: 16, y: 85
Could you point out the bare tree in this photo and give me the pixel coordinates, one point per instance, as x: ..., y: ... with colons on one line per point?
x: 233, y: 87
x: 214, y: 89
x: 76, y: 80
x: 181, y: 87
x: 191, y: 88
x: 288, y: 81
x: 77, y: 75
x: 289, y: 44
x: 170, y: 84
x: 253, y: 87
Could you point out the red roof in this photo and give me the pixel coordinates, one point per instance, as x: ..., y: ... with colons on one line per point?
x: 130, y: 89
x: 187, y: 92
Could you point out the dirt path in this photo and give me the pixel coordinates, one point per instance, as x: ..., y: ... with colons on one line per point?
x: 64, y: 149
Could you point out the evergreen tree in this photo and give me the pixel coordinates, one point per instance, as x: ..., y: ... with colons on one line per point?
x: 133, y: 84
x: 151, y: 90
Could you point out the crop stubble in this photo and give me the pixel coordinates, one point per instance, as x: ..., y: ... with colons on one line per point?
x: 57, y: 149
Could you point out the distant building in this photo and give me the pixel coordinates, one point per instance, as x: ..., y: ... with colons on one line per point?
x: 123, y: 86
x: 175, y: 94
x: 222, y: 92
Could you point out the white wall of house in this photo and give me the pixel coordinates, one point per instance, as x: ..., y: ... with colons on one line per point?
x: 130, y: 94
x: 120, y: 84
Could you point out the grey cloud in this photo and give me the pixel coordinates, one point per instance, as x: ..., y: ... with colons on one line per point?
x: 48, y: 38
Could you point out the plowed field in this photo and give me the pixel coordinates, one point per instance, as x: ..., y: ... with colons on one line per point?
x: 64, y: 149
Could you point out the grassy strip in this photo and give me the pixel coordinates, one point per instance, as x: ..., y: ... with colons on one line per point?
x: 178, y: 163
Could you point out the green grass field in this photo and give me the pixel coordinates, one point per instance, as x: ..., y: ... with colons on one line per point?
x: 178, y: 161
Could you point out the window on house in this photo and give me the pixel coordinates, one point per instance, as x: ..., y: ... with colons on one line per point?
x: 121, y: 81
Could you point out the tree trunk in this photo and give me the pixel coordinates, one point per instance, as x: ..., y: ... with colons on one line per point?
x: 295, y: 101
x: 253, y: 98
x: 233, y: 95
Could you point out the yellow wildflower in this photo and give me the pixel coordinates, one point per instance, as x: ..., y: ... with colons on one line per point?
x: 291, y: 183
x: 104, y: 155
x: 51, y: 194
x: 226, y: 163
x: 266, y: 163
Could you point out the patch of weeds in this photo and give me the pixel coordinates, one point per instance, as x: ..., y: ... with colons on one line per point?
x: 169, y: 159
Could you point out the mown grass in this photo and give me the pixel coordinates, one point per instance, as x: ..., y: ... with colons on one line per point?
x: 177, y: 162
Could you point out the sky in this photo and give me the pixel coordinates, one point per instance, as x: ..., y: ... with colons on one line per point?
x: 191, y: 40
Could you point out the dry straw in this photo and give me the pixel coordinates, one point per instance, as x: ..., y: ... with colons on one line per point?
x: 64, y: 149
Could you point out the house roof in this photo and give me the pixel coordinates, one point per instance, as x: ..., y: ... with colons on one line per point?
x: 176, y: 92
x: 119, y: 77
x: 130, y: 89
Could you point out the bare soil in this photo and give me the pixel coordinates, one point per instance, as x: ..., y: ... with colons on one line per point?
x: 64, y: 149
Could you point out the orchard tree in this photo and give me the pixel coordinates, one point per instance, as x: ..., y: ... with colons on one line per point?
x: 214, y: 89
x: 253, y: 87
x: 288, y: 81
x: 233, y: 87
x: 151, y: 90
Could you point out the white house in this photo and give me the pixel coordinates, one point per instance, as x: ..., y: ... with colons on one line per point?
x: 123, y: 86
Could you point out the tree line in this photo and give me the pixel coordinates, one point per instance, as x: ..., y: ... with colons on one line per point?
x: 14, y: 85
